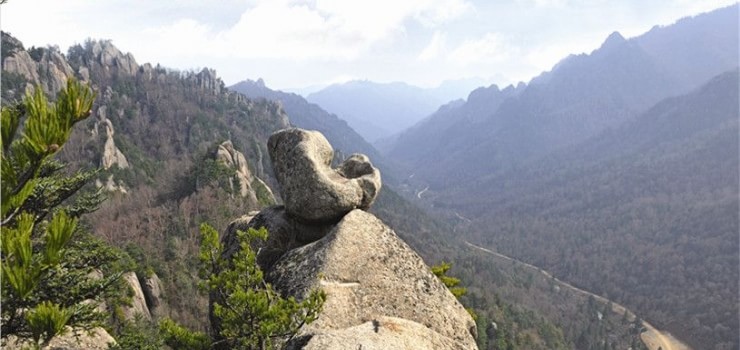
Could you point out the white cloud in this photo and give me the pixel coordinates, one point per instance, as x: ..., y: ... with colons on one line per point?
x: 179, y: 38
x: 435, y: 47
x: 306, y: 30
x: 488, y: 49
x: 434, y: 13
x: 548, y: 3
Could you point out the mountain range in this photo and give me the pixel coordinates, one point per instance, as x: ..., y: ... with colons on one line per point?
x: 580, y: 97
x: 380, y: 110
x: 617, y: 170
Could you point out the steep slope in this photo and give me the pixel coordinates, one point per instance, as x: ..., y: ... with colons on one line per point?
x: 645, y: 213
x: 582, y: 96
x: 436, y: 133
x: 377, y: 110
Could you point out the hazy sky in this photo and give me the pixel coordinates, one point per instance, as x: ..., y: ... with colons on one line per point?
x: 295, y: 44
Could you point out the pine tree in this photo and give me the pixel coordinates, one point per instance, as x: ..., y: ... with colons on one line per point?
x: 44, y: 284
x: 251, y: 314
x: 452, y: 283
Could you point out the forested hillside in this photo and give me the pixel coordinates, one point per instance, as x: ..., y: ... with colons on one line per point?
x: 645, y: 214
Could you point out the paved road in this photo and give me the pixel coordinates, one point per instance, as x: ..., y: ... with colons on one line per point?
x: 652, y: 337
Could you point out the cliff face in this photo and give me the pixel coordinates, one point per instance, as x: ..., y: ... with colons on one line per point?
x: 380, y: 294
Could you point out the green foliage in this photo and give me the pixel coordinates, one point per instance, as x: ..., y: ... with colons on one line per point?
x: 36, y: 53
x: 210, y: 171
x: 47, y: 320
x: 42, y: 289
x: 138, y: 335
x: 178, y: 337
x: 450, y: 282
x: 251, y: 314
x: 26, y: 158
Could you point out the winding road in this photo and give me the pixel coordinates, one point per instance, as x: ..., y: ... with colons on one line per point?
x: 652, y: 337
x: 422, y: 192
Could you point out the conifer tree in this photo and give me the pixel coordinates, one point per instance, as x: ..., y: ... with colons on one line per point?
x: 250, y: 313
x: 42, y: 284
x: 450, y: 282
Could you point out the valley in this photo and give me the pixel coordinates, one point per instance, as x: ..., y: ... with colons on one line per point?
x: 653, y: 338
x: 612, y: 171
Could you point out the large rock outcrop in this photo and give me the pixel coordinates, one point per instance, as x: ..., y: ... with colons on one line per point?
x: 106, y: 54
x: 154, y: 295
x: 232, y: 158
x: 369, y: 273
x: 44, y: 66
x: 112, y: 155
x: 310, y: 188
x: 138, y: 300
x: 380, y: 294
x: 286, y: 232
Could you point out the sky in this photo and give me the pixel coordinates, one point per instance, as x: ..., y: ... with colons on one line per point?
x: 300, y: 43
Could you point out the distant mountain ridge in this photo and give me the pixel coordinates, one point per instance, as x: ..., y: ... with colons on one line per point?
x: 378, y: 110
x: 582, y: 96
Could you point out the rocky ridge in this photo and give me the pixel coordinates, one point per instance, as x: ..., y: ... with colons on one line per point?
x: 380, y: 294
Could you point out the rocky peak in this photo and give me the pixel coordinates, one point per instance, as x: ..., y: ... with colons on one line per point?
x: 10, y: 44
x: 38, y: 66
x: 482, y: 93
x: 107, y: 55
x: 613, y: 41
x: 207, y: 79
x: 311, y: 189
x: 380, y: 294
